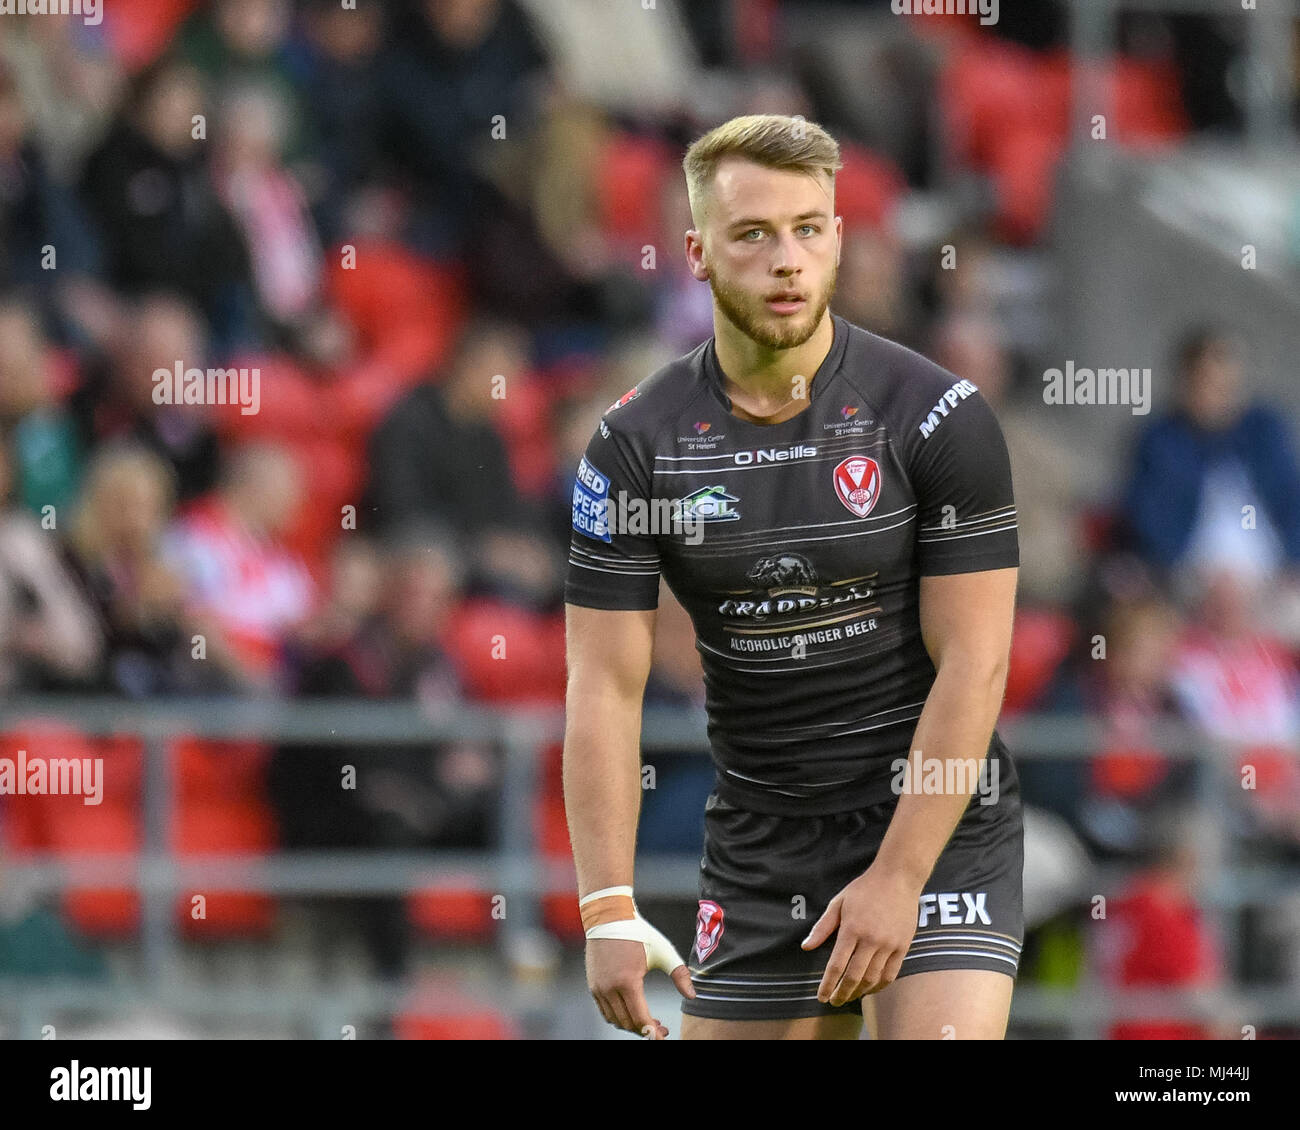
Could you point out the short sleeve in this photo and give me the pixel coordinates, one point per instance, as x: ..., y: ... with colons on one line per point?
x: 966, y: 510
x: 610, y: 568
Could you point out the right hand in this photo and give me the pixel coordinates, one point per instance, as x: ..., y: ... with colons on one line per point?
x: 616, y: 971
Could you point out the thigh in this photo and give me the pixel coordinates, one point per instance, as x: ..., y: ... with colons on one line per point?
x: 843, y: 1027
x: 945, y: 1004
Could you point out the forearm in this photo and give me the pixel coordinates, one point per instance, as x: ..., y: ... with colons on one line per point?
x: 948, y: 748
x: 602, y: 786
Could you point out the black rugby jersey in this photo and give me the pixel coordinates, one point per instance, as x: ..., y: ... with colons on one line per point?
x: 797, y: 549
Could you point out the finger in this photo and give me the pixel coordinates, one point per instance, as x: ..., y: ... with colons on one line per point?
x: 605, y: 1012
x: 850, y: 982
x: 824, y: 926
x: 637, y: 1008
x: 682, y: 979
x: 622, y: 1018
x: 892, y: 968
x: 839, y: 961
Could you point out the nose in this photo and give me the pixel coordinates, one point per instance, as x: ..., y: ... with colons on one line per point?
x: 787, y: 257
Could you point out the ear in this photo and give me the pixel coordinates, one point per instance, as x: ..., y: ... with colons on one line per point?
x: 695, y: 255
x: 839, y: 238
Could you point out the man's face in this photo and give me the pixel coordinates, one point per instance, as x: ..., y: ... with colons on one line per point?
x: 768, y: 233
x: 1212, y: 392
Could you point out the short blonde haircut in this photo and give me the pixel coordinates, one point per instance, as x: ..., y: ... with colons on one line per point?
x: 777, y: 141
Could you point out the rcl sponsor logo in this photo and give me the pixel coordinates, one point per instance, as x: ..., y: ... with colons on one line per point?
x: 954, y: 909
x: 774, y: 455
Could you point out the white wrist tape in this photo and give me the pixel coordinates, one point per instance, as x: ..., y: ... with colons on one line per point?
x: 659, y: 951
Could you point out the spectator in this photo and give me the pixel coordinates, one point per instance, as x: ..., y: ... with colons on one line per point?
x: 161, y: 225
x: 114, y: 547
x: 268, y: 205
x: 1155, y: 936
x: 1121, y: 679
x: 49, y: 637
x: 1198, y: 468
x: 1045, y: 473
x: 440, y: 456
x: 45, y: 448
x: 41, y: 225
x: 341, y: 83
x: 247, y: 590
x: 117, y: 397
x: 454, y: 66
x: 406, y: 796
x: 1240, y: 686
x: 246, y: 42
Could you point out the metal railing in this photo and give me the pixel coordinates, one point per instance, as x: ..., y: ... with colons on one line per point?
x: 516, y: 868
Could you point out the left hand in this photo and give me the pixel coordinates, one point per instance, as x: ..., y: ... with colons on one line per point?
x: 876, y: 917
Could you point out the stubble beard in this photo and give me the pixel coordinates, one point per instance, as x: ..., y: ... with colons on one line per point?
x: 752, y: 317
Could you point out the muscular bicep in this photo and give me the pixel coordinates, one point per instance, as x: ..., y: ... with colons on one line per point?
x: 608, y: 652
x: 966, y: 618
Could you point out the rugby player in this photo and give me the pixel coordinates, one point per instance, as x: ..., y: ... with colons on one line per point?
x: 844, y: 540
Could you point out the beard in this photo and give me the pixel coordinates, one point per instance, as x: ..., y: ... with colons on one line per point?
x: 751, y: 316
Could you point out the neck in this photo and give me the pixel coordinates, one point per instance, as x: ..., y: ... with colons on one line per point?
x: 761, y: 382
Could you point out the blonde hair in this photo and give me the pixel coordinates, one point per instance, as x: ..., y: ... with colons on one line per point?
x: 777, y: 141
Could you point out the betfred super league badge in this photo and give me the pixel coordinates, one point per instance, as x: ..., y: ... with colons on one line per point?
x: 857, y: 484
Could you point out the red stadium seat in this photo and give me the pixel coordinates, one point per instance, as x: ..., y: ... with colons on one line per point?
x: 225, y: 827
x: 453, y: 915
x: 524, y: 417
x: 1040, y: 640
x: 208, y: 770
x: 439, y: 1009
x: 407, y: 312
x: 1148, y: 105
x: 105, y: 829
x: 868, y: 187
x: 528, y: 673
x: 483, y: 1024
x: 140, y: 30
x: 631, y: 171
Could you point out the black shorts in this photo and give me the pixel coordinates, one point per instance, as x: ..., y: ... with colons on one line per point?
x: 765, y: 880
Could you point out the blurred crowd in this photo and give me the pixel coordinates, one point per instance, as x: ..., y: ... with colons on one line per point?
x: 446, y: 234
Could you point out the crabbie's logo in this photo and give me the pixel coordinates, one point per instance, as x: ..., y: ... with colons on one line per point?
x: 857, y: 484
x: 708, y: 928
x: 631, y: 394
x: 785, y: 585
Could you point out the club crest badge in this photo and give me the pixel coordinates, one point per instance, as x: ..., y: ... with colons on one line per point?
x: 857, y: 484
x: 708, y: 928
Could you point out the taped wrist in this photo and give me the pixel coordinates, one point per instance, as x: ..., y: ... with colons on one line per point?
x: 611, y: 913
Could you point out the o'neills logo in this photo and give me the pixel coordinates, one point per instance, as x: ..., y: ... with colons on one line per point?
x: 774, y: 455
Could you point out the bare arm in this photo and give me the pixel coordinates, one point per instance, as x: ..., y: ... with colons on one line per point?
x: 966, y: 623
x: 609, y: 660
